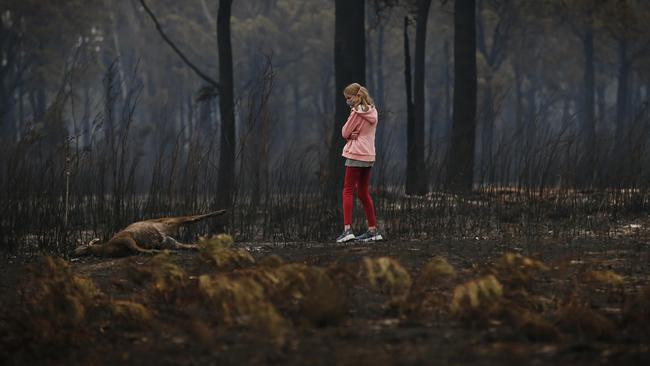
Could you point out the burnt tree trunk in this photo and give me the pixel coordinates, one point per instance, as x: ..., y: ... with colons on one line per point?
x: 350, y: 67
x: 586, y: 170
x: 410, y: 118
x: 622, y: 100
x: 370, y: 62
x: 487, y: 132
x: 379, y: 76
x: 448, y: 99
x: 461, y: 152
x: 225, y: 180
x: 420, y: 173
x: 434, y: 107
x: 379, y: 71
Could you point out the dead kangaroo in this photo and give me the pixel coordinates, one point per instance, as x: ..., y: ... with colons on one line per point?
x: 144, y: 237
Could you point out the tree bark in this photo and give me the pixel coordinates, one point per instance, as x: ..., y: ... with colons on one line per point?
x: 379, y: 93
x: 448, y: 98
x: 350, y: 66
x: 410, y: 118
x: 621, y: 100
x: 485, y: 116
x: 586, y: 173
x: 487, y: 132
x: 461, y: 154
x: 434, y: 106
x: 421, y: 185
x: 370, y: 62
x: 379, y: 76
x: 225, y: 180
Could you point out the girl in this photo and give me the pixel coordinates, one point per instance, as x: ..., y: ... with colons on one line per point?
x: 359, y: 132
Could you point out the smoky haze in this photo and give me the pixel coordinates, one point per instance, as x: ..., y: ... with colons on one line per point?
x: 95, y: 103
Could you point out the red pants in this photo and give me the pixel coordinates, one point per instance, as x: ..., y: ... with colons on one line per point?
x: 357, y: 178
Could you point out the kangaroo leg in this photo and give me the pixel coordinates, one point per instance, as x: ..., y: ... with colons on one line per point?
x: 119, y: 247
x: 134, y: 247
x: 171, y: 243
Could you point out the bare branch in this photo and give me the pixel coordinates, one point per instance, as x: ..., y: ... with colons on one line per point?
x: 180, y: 54
x: 206, y: 12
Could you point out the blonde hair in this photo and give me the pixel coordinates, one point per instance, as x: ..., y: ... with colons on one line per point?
x: 355, y: 89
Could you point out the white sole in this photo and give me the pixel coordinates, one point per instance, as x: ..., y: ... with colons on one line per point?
x: 346, y: 238
x: 374, y: 238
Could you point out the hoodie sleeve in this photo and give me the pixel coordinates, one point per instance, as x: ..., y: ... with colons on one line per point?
x: 352, y: 124
x: 356, y: 120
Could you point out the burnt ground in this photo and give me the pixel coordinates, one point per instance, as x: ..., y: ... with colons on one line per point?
x: 370, y: 332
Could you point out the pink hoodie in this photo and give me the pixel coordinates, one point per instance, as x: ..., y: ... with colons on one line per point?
x: 365, y: 123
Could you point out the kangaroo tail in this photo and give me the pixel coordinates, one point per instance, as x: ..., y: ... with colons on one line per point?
x: 182, y: 220
x: 196, y: 218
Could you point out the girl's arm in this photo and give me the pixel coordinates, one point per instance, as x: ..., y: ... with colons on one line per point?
x: 353, y: 124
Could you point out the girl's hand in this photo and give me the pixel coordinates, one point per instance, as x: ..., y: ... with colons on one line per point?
x: 354, y: 135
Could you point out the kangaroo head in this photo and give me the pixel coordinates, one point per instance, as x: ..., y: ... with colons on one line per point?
x: 87, y: 249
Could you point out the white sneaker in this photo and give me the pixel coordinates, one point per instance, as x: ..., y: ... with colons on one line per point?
x: 346, y: 236
x: 370, y: 236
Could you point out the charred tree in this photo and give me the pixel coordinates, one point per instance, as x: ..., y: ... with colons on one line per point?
x: 461, y: 153
x: 350, y: 67
x: 410, y: 118
x: 621, y: 98
x: 448, y: 98
x: 11, y: 80
x: 587, y: 164
x: 379, y: 85
x: 417, y: 166
x: 225, y: 180
x: 494, y: 53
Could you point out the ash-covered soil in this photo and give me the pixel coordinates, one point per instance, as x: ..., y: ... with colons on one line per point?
x: 373, y: 325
